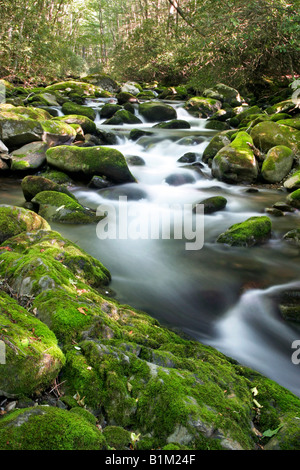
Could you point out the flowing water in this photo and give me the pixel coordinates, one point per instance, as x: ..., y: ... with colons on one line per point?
x: 222, y: 296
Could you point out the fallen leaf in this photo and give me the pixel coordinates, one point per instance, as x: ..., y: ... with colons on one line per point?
x: 81, y: 310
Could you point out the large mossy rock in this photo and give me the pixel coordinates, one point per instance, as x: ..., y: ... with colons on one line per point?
x: 293, y: 182
x: 270, y: 134
x: 48, y: 428
x: 223, y: 93
x: 92, y: 161
x: 58, y: 207
x: 294, y: 123
x: 80, y: 88
x: 41, y: 261
x: 251, y: 232
x: 213, y: 204
x: 73, y: 108
x: 25, y: 112
x: 32, y: 185
x: 124, y: 363
x: 33, y: 358
x: 58, y: 133
x: 202, y: 107
x: 294, y: 199
x: 29, y: 157
x: 88, y: 126
x: 103, y: 81
x: 14, y: 220
x: 156, y: 112
x: 122, y: 116
x: 17, y: 131
x: 108, y: 110
x: 236, y: 162
x: 217, y: 143
x: 277, y: 164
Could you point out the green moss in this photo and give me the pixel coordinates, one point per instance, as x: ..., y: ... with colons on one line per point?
x: 277, y: 164
x: 85, y: 414
x: 252, y: 231
x: 72, y: 108
x: 88, y: 126
x: 33, y: 185
x: 117, y: 438
x: 294, y: 199
x: 96, y: 161
x: 202, y: 107
x: 46, y: 428
x: 14, y: 220
x: 33, y: 359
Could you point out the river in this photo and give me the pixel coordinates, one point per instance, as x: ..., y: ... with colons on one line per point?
x: 219, y: 295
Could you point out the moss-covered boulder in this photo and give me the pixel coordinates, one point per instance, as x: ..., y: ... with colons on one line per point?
x: 202, y: 107
x: 293, y: 237
x: 48, y: 428
x: 29, y: 157
x: 45, y: 99
x: 92, y: 161
x: 32, y: 185
x: 251, y: 232
x: 293, y: 199
x: 58, y: 177
x: 270, y: 134
x: 117, y: 438
x: 88, y: 126
x: 124, y: 97
x: 293, y: 182
x: 33, y: 358
x: 72, y: 108
x: 72, y: 87
x: 223, y: 93
x: 173, y: 124
x: 103, y: 81
x: 217, y: 143
x: 15, y: 220
x: 131, y: 87
x: 153, y: 111
x: 281, y: 107
x: 58, y: 133
x: 294, y: 123
x: 108, y: 110
x: 16, y: 131
x: 42, y: 261
x: 213, y: 204
x: 236, y: 162
x: 277, y: 164
x: 59, y: 207
x: 122, y: 116
x: 26, y: 112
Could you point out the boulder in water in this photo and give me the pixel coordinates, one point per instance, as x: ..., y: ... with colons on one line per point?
x: 154, y: 111
x: 251, y: 232
x: 277, y: 164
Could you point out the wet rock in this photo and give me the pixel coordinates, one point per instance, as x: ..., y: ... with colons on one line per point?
x: 217, y: 143
x: 123, y: 117
x: 135, y: 160
x: 93, y: 161
x: 58, y: 207
x: 270, y: 134
x: 72, y: 108
x: 202, y: 107
x: 178, y: 179
x: 251, y: 232
x: 29, y: 157
x: 293, y: 237
x: 236, y: 162
x: 88, y: 126
x: 275, y: 212
x: 135, y: 134
x: 173, y: 124
x: 15, y: 220
x: 277, y: 164
x: 131, y: 193
x: 293, y: 182
x: 108, y: 110
x: 213, y: 204
x: 189, y: 157
x: 154, y: 111
x: 98, y: 182
x: 32, y: 185
x: 289, y: 302
x: 293, y: 199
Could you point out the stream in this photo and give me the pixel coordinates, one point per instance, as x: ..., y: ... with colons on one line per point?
x: 221, y: 296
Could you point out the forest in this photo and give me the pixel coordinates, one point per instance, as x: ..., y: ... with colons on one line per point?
x: 150, y: 228
x: 174, y: 42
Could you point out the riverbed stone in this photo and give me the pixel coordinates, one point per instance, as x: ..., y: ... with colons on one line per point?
x: 154, y: 111
x: 217, y: 143
x: 59, y: 207
x: 236, y: 162
x: 270, y: 134
x: 15, y: 220
x: 252, y: 231
x: 122, y: 116
x: 173, y: 124
x: 91, y: 161
x: 29, y: 157
x: 33, y: 184
x: 88, y: 126
x: 73, y: 108
x: 18, y: 131
x: 33, y: 358
x: 223, y: 93
x: 48, y: 428
x: 293, y: 199
x: 202, y: 107
x: 108, y: 110
x: 293, y: 182
x: 213, y: 204
x: 277, y: 164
